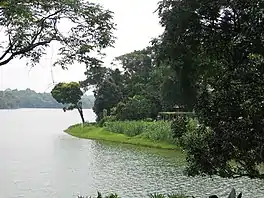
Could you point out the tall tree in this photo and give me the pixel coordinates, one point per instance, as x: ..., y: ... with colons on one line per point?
x: 69, y: 94
x: 107, y: 95
x: 30, y: 26
x: 225, y: 41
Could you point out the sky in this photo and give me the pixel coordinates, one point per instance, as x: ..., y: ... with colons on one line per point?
x: 136, y: 23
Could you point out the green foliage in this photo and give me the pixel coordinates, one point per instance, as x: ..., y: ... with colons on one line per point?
x: 13, y: 99
x: 211, y: 48
x: 92, y: 131
x: 179, y: 126
x: 107, y: 96
x: 135, y: 108
x: 137, y: 86
x: 30, y: 26
x: 159, y: 131
x: 156, y: 131
x: 234, y: 112
x: 130, y: 128
x: 106, y: 119
x: 69, y: 94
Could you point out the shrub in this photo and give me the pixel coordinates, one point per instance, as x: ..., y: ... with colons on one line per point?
x: 136, y: 108
x: 106, y: 119
x: 179, y: 126
x: 157, y: 131
x: 193, y: 141
x: 130, y: 128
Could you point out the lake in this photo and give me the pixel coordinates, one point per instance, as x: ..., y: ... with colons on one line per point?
x: 39, y: 160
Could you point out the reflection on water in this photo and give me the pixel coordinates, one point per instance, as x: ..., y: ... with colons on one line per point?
x: 38, y: 160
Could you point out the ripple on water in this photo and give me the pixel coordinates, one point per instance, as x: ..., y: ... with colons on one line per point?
x: 39, y: 160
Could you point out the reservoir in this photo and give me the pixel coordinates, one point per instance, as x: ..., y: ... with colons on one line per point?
x: 39, y: 160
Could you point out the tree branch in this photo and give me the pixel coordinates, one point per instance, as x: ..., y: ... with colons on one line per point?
x: 24, y: 50
x: 31, y: 46
x: 7, y: 51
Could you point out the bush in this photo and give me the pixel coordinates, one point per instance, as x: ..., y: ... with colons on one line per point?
x: 193, y: 141
x: 179, y: 126
x: 129, y: 128
x: 136, y: 108
x: 106, y: 119
x: 157, y: 131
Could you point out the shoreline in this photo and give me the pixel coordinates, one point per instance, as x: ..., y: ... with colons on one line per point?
x: 99, y: 133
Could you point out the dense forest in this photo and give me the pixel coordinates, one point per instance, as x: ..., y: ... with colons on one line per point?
x: 13, y: 99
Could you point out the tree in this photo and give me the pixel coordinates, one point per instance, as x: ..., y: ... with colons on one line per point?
x: 107, y: 95
x: 69, y: 94
x: 142, y: 77
x: 30, y: 26
x: 135, y: 108
x: 224, y: 40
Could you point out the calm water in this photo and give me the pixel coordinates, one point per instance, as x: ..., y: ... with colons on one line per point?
x: 38, y: 160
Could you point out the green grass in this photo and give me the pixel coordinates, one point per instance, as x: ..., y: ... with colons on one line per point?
x: 98, y: 133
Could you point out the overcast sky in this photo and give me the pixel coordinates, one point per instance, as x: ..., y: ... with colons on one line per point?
x: 136, y: 26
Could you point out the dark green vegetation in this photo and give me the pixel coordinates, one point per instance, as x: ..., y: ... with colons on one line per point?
x: 13, y: 99
x: 30, y: 26
x: 69, y: 94
x: 136, y: 133
x: 219, y: 45
x: 210, y: 60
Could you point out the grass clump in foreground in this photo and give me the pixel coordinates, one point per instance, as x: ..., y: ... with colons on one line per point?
x: 92, y: 131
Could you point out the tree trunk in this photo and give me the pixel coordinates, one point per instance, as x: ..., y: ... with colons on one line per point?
x: 81, y: 114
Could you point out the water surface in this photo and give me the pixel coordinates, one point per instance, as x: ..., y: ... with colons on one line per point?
x: 38, y: 160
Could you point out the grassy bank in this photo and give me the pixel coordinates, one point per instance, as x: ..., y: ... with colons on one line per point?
x: 99, y: 133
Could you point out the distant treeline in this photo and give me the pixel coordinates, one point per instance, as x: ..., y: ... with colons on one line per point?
x: 14, y: 99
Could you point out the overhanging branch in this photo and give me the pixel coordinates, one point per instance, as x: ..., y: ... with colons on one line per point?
x: 32, y: 44
x: 24, y: 50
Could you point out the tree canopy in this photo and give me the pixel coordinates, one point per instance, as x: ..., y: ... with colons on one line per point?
x: 30, y: 26
x: 219, y: 45
x: 69, y: 94
x: 138, y: 79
